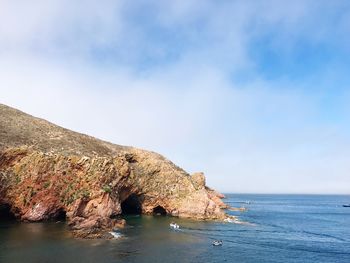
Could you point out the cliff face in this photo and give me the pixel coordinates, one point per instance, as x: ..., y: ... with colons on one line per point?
x: 47, y: 172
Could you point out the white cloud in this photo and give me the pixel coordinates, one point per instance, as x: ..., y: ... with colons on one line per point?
x: 58, y: 25
x: 262, y: 135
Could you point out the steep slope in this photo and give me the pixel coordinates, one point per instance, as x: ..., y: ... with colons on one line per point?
x: 18, y: 129
x: 48, y: 172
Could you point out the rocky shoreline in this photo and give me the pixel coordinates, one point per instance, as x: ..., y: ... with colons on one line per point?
x: 49, y: 173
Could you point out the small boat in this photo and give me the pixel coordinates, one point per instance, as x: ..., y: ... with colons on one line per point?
x: 174, y: 226
x: 346, y: 205
x: 217, y: 243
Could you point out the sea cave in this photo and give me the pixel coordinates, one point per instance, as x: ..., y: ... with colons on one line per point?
x: 132, y: 205
x: 159, y: 210
x: 6, y: 213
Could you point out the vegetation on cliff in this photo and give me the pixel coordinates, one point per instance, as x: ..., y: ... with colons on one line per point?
x: 48, y: 172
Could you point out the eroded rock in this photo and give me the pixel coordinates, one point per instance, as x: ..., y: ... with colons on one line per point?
x: 91, y: 182
x: 198, y: 180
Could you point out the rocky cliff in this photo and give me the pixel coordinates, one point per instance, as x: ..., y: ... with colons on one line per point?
x: 48, y: 172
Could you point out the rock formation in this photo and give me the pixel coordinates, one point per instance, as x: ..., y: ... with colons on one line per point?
x: 48, y: 172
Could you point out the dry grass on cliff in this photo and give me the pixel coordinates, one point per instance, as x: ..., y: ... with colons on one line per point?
x: 18, y: 128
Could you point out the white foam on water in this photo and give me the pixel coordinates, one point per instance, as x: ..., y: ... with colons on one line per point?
x: 116, y: 235
x: 237, y: 221
x: 228, y: 220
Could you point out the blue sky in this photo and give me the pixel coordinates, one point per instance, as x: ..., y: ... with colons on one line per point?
x: 253, y: 93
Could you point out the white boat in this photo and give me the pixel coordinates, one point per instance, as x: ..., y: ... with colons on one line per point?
x: 174, y: 226
x: 217, y: 243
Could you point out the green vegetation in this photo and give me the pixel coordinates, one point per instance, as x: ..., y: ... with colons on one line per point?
x: 107, y: 189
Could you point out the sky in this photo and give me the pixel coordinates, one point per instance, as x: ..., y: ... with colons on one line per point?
x: 255, y: 94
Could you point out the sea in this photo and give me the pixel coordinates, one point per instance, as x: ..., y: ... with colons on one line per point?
x: 274, y: 228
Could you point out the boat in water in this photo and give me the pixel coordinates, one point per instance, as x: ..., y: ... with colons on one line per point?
x: 174, y: 226
x: 346, y: 205
x: 217, y: 243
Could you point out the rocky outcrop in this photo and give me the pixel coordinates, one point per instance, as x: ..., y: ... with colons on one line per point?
x: 92, y: 183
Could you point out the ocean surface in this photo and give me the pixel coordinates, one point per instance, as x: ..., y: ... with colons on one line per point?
x: 278, y: 228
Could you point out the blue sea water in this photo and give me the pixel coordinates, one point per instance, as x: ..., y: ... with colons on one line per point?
x: 280, y: 228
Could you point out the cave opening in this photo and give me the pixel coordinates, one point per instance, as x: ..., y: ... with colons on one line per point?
x: 159, y: 211
x: 60, y: 215
x: 132, y: 205
x: 6, y: 213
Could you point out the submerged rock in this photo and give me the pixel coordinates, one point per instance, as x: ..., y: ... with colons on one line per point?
x: 47, y: 172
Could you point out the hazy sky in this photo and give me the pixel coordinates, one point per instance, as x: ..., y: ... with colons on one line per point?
x: 256, y: 94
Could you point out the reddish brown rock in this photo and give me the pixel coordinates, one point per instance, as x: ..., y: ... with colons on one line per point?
x: 94, y: 226
x: 44, y: 209
x: 47, y: 172
x: 216, y: 197
x: 198, y: 180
